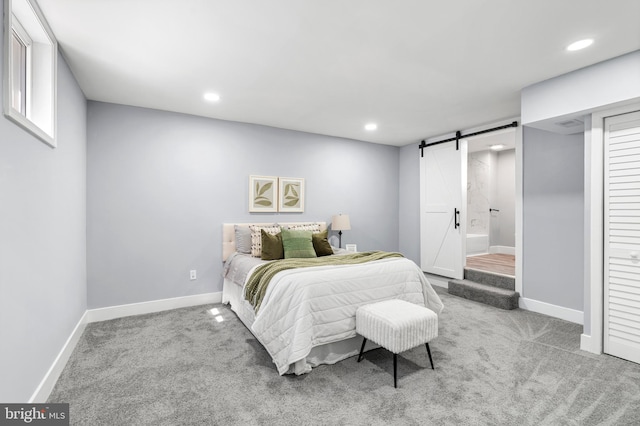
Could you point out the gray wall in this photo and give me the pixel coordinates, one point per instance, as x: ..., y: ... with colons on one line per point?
x: 505, y: 220
x: 553, y: 205
x: 42, y: 242
x: 409, y: 199
x: 576, y: 95
x: 161, y: 184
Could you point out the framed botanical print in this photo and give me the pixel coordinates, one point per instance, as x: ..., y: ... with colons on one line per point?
x: 290, y: 195
x: 263, y: 193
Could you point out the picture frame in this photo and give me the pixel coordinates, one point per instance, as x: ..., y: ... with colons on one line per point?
x: 263, y: 194
x: 353, y: 248
x: 290, y: 195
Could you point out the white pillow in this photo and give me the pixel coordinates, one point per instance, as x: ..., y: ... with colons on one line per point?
x: 313, y: 227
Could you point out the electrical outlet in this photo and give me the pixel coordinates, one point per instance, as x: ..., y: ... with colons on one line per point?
x: 192, y: 274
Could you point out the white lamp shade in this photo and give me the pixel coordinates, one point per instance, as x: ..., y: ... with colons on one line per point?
x: 340, y: 223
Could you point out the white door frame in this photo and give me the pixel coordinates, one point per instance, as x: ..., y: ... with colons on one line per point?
x: 519, y: 211
x: 594, y: 226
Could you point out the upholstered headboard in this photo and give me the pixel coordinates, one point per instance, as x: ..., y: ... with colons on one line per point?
x: 229, y: 234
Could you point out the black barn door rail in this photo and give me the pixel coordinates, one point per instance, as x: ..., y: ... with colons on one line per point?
x: 459, y: 136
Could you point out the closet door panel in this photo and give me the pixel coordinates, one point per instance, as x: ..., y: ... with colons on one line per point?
x: 622, y: 237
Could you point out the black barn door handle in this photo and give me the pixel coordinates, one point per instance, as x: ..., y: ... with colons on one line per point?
x: 456, y: 218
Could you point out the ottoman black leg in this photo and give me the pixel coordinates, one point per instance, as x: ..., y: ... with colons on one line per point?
x: 395, y: 370
x: 430, y: 359
x: 362, y: 348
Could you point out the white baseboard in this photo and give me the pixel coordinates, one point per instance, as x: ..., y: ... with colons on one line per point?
x: 502, y: 250
x: 555, y: 311
x: 587, y: 343
x: 112, y: 312
x: 49, y: 381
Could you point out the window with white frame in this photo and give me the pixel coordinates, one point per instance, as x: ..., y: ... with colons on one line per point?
x: 30, y: 57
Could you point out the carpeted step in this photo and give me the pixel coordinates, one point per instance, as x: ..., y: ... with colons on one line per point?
x: 487, y: 294
x: 495, y: 280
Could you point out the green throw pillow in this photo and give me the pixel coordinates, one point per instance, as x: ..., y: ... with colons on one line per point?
x: 321, y: 244
x: 297, y: 244
x: 271, y: 246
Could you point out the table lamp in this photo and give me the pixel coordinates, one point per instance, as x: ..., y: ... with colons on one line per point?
x: 340, y: 223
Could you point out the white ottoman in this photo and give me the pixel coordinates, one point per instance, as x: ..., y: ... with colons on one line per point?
x: 397, y: 326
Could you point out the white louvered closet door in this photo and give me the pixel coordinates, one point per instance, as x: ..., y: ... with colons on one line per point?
x: 622, y: 236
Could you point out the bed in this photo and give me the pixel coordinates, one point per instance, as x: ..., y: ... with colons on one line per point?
x: 307, y: 315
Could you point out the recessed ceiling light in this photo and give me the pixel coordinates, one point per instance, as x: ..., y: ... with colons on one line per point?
x: 371, y: 127
x: 580, y: 44
x: 497, y: 147
x: 212, y: 97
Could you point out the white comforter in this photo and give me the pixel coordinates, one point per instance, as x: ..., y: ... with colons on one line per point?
x: 307, y: 307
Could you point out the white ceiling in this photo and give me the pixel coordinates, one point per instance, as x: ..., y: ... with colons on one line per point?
x: 418, y: 68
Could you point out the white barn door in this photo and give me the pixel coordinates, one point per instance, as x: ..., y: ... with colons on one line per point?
x: 622, y: 236
x: 443, y: 205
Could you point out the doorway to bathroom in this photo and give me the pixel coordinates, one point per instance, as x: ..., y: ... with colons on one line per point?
x: 491, y: 192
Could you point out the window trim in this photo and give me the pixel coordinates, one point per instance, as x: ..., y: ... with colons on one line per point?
x: 41, y: 116
x: 24, y: 40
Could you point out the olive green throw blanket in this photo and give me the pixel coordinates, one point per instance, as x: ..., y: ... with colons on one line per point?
x: 258, y: 282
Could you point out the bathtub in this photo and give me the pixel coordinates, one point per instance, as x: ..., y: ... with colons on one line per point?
x: 477, y: 244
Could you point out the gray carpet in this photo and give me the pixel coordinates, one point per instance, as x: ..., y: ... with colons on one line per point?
x: 492, y: 367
